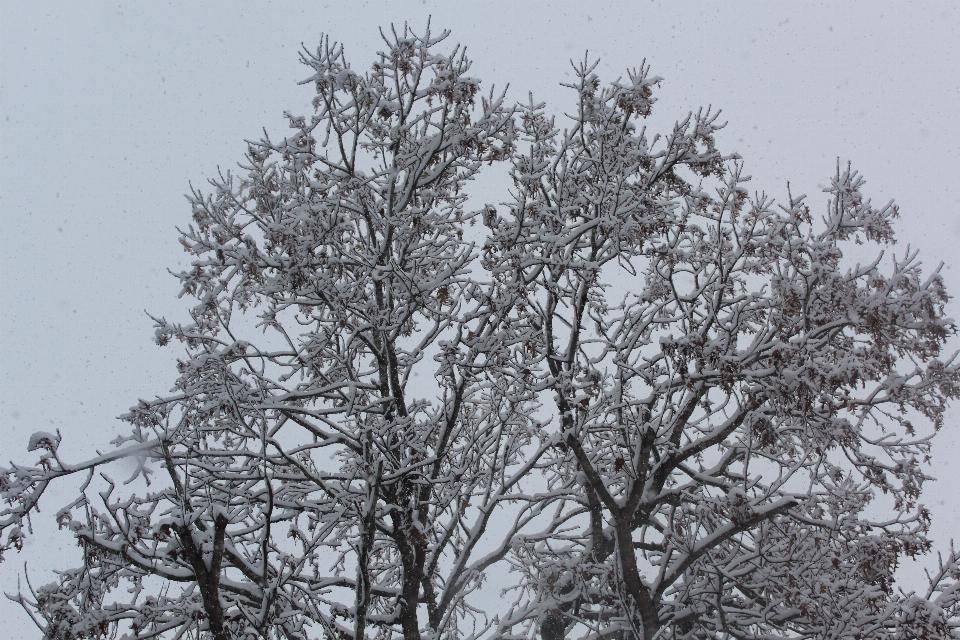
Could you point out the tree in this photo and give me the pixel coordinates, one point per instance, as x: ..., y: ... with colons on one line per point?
x: 722, y: 430
x: 664, y: 404
x: 303, y: 448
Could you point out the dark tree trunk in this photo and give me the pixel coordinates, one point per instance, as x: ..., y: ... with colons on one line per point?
x: 208, y: 579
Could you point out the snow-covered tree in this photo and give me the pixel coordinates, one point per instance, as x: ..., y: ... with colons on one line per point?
x: 669, y: 408
x: 729, y: 392
x: 348, y: 388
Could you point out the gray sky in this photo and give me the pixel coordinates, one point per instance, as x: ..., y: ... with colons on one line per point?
x: 109, y: 110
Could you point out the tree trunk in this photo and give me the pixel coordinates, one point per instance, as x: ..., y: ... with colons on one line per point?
x: 627, y: 557
x: 363, y: 557
x: 208, y: 579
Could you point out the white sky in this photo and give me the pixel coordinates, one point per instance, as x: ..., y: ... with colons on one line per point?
x: 109, y: 110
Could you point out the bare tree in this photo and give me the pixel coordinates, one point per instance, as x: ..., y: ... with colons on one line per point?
x: 309, y: 476
x: 724, y: 425
x: 666, y: 405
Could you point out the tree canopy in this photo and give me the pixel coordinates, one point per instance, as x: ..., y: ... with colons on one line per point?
x: 630, y: 399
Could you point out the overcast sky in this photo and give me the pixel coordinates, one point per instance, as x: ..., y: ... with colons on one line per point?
x: 108, y: 111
